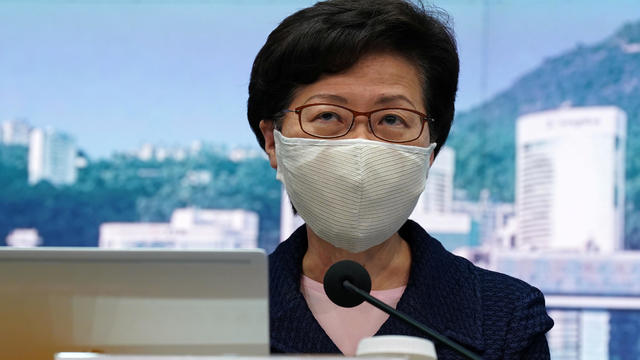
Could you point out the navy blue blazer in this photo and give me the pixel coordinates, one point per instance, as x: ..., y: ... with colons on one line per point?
x: 492, y: 314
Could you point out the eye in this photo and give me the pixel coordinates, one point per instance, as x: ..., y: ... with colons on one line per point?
x: 391, y: 120
x: 327, y: 116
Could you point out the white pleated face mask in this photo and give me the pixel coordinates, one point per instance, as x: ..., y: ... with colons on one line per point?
x: 353, y: 193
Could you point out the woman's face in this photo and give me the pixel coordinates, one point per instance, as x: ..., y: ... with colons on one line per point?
x: 376, y: 81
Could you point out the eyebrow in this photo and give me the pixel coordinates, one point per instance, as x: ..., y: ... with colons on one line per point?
x: 382, y: 100
x: 385, y: 99
x: 328, y: 97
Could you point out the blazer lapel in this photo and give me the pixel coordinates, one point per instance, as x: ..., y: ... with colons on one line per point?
x: 294, y: 329
x: 442, y: 293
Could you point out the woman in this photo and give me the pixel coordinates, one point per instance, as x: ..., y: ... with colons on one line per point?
x: 352, y: 100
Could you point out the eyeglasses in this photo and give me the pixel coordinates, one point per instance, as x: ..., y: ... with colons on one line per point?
x: 397, y: 125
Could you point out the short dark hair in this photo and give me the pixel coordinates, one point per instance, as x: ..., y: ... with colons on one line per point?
x: 331, y: 36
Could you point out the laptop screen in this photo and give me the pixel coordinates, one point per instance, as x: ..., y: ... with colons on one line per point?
x: 133, y: 302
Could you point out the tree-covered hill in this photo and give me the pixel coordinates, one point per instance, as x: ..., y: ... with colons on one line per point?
x: 126, y: 189
x: 606, y: 73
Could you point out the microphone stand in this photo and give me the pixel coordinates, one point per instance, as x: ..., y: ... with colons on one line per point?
x: 391, y: 311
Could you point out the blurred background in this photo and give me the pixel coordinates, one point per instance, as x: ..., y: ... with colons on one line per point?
x: 122, y: 124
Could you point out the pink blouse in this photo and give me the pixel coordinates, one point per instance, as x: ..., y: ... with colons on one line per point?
x: 347, y: 326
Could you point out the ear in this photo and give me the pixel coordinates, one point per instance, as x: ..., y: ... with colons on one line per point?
x: 266, y: 127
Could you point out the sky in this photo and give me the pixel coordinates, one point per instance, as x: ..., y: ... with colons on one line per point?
x: 118, y: 74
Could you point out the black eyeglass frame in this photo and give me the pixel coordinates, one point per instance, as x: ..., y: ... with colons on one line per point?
x: 423, y: 117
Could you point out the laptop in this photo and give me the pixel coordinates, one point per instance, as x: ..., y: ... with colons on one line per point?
x: 143, y: 301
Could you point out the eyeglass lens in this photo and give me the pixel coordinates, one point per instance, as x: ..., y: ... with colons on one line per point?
x: 334, y: 121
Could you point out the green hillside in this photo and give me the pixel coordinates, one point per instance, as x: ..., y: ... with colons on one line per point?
x: 607, y: 73
x: 126, y: 189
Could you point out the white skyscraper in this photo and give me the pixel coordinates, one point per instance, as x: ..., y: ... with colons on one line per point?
x: 438, y: 193
x: 434, y: 208
x: 51, y: 157
x: 570, y: 178
x: 15, y: 132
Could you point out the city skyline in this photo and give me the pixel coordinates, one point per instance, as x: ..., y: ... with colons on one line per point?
x: 118, y: 75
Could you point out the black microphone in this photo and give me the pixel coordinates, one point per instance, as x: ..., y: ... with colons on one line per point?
x: 348, y: 283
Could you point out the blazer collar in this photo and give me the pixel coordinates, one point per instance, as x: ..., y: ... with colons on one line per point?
x: 442, y: 293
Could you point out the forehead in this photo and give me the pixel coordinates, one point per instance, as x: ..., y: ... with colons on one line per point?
x: 374, y: 78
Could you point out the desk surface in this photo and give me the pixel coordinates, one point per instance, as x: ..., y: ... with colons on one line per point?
x: 94, y: 356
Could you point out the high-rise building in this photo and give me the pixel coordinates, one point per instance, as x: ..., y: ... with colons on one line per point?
x: 580, y: 335
x: 434, y: 210
x: 570, y: 178
x: 52, y: 157
x: 15, y: 132
x: 438, y: 193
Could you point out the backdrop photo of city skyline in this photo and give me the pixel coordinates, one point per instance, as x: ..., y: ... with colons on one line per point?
x: 122, y: 124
